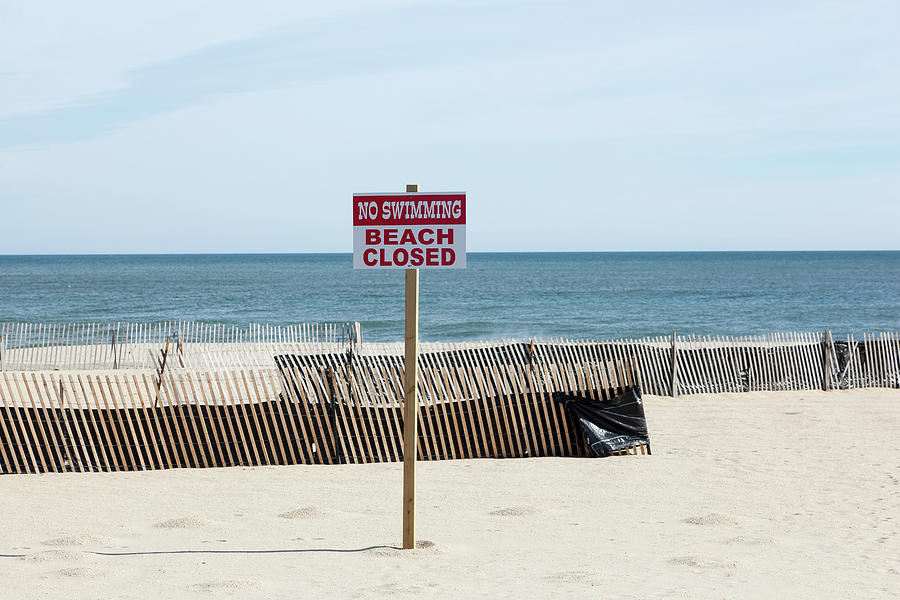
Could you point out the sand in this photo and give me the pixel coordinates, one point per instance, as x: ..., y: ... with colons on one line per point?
x: 761, y: 495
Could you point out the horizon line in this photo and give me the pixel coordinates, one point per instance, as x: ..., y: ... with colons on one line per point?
x: 56, y: 254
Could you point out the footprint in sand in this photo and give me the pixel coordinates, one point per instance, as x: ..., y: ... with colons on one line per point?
x: 699, y: 562
x: 308, y: 512
x: 572, y: 577
x: 710, y: 519
x: 50, y: 555
x: 219, y: 586
x: 422, y: 547
x: 752, y: 541
x: 394, y: 589
x: 514, y: 511
x: 385, y: 551
x: 79, y: 540
x: 184, y: 523
x: 86, y: 572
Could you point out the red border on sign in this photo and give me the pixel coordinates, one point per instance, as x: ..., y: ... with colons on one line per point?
x: 406, y: 209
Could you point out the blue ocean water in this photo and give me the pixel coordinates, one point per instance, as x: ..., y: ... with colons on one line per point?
x: 594, y: 295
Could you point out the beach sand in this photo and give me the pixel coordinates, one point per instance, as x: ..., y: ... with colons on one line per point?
x: 755, y: 495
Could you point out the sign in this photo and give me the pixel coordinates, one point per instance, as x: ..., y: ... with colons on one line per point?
x: 410, y: 231
x: 415, y: 230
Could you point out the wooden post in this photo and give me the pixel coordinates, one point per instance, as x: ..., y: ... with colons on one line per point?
x: 162, y: 369
x: 337, y: 443
x: 826, y: 361
x: 115, y: 354
x: 673, y: 370
x: 410, y: 404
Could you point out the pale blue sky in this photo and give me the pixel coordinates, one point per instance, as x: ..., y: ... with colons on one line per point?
x: 246, y: 127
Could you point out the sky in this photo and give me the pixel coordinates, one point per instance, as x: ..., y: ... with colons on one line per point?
x: 217, y: 126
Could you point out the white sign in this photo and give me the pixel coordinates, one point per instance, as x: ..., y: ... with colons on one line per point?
x: 414, y: 230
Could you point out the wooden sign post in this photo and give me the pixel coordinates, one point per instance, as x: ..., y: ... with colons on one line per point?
x: 410, y: 403
x: 408, y: 231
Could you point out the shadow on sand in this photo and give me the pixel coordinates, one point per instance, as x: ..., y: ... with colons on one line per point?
x: 277, y: 551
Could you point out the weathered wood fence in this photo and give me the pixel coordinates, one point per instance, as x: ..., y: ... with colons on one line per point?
x: 486, y: 401
x: 669, y: 365
x: 326, y: 403
x: 64, y: 346
x: 674, y: 365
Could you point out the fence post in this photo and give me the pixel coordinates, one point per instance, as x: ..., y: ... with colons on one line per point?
x: 332, y: 413
x: 162, y: 369
x: 178, y: 347
x: 115, y: 355
x: 2, y: 348
x: 673, y: 369
x: 826, y: 361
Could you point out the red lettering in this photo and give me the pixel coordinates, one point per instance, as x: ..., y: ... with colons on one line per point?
x: 415, y: 257
x: 431, y: 257
x: 413, y: 247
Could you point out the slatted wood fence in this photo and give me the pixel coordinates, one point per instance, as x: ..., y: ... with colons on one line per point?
x: 668, y: 365
x: 123, y: 345
x: 489, y: 401
x: 674, y: 365
x: 317, y: 403
x: 476, y: 401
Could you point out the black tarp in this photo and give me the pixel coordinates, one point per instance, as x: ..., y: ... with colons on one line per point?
x: 610, y: 425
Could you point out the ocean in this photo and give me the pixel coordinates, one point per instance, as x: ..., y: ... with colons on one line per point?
x: 499, y: 295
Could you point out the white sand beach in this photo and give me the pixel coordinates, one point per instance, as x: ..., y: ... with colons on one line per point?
x: 754, y: 495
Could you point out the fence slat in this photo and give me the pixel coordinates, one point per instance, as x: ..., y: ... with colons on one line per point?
x: 8, y: 400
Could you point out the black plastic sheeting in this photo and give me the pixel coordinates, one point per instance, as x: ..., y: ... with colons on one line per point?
x: 610, y: 425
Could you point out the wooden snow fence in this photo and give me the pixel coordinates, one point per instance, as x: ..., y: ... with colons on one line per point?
x: 189, y: 344
x: 327, y: 403
x: 476, y: 400
x: 493, y: 400
x: 676, y: 365
x: 669, y: 365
